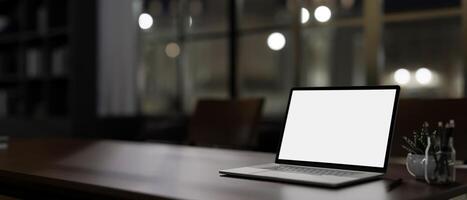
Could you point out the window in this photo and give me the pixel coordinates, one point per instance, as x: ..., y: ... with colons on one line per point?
x: 287, y: 43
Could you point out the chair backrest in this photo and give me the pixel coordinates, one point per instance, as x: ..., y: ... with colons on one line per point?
x: 413, y: 112
x: 225, y: 123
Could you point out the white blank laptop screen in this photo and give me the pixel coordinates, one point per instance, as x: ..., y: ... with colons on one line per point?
x: 338, y: 126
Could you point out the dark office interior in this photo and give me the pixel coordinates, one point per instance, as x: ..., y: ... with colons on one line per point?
x: 80, y: 77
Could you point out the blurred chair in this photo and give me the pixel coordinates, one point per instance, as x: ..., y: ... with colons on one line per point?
x: 225, y: 123
x: 413, y: 112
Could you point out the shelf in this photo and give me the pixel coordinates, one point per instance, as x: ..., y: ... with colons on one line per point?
x: 8, y: 78
x: 62, y: 79
x: 34, y: 80
x: 7, y: 38
x: 57, y: 32
x: 38, y: 83
x: 28, y: 36
x: 44, y: 78
x: 15, y: 126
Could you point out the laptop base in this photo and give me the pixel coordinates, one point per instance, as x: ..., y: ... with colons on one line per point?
x: 262, y: 173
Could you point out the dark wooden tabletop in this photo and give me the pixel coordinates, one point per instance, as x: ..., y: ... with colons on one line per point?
x: 132, y: 170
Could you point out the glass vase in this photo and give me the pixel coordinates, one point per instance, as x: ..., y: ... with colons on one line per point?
x: 444, y: 159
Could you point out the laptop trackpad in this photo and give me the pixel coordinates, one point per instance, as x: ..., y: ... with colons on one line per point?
x: 304, y: 177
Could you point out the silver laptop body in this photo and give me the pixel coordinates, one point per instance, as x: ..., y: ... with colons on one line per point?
x: 333, y: 137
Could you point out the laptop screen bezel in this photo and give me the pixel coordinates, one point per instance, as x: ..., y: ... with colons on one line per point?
x: 344, y: 166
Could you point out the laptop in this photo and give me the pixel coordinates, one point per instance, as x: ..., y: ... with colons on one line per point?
x: 333, y: 137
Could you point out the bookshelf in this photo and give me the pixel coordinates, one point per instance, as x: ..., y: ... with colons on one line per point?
x: 38, y: 71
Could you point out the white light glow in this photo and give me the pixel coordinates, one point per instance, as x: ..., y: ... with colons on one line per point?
x: 276, y: 41
x: 423, y: 76
x: 322, y: 14
x: 305, y: 15
x: 172, y: 50
x: 145, y: 21
x: 190, y: 21
x: 402, y: 76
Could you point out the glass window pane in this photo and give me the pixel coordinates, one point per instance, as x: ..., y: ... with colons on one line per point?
x: 339, y: 9
x: 264, y: 72
x: 432, y: 44
x: 164, y: 18
x: 391, y: 6
x: 206, y: 16
x: 159, y: 80
x: 333, y: 56
x: 205, y: 70
x: 263, y: 13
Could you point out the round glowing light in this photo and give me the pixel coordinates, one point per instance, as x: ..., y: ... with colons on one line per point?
x: 145, y: 21
x: 423, y: 76
x: 322, y: 14
x: 305, y: 15
x: 172, y: 50
x: 402, y: 76
x: 276, y: 41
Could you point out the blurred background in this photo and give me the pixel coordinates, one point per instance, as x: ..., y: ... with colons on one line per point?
x: 136, y: 69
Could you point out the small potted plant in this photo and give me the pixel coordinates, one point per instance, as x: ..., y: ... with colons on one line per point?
x: 416, y: 147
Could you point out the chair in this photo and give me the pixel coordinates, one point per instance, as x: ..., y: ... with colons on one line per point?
x: 225, y: 123
x: 413, y: 112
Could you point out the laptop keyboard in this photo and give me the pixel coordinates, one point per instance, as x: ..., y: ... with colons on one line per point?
x: 313, y: 171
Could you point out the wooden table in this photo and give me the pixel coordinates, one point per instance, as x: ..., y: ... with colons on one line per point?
x: 64, y: 168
